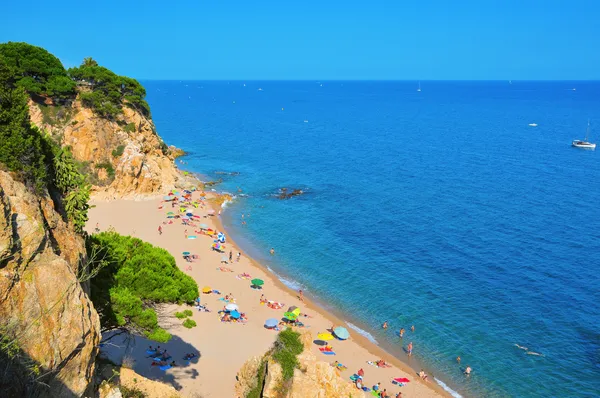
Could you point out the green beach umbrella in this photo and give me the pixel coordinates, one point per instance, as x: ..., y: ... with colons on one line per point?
x: 290, y: 316
x: 169, y: 213
x: 257, y: 282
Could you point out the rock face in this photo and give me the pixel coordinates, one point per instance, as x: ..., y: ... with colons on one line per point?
x: 126, y: 157
x: 313, y: 378
x: 43, y: 305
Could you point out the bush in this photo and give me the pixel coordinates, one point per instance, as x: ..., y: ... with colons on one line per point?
x: 106, y: 165
x: 118, y: 151
x: 287, y: 347
x: 189, y: 323
x: 129, y: 128
x: 134, y: 392
x: 188, y: 313
x: 133, y: 276
x: 180, y: 315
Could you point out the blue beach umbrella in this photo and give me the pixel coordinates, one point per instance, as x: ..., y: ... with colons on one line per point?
x: 189, y: 214
x: 234, y: 314
x: 341, y: 333
x: 221, y: 237
x: 186, y: 253
x: 271, y: 323
x: 203, y: 226
x: 167, y: 198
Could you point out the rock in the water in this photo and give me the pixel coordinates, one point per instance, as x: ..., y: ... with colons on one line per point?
x: 285, y: 193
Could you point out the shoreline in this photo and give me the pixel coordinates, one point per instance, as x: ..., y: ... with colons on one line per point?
x: 335, y: 316
x: 122, y: 215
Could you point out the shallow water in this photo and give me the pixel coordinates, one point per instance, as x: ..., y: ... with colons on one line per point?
x: 441, y: 209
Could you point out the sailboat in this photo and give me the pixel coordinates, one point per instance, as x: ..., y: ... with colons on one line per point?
x: 585, y: 144
x: 419, y: 89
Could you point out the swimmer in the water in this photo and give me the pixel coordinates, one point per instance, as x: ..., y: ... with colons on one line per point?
x: 521, y: 347
x: 534, y: 353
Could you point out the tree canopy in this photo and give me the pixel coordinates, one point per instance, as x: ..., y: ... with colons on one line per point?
x: 133, y: 276
x: 37, y: 71
x: 109, y: 92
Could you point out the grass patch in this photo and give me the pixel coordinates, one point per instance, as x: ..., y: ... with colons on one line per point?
x: 54, y: 115
x: 189, y: 323
x: 134, y: 392
x: 118, y: 151
x: 129, y: 128
x: 287, y: 348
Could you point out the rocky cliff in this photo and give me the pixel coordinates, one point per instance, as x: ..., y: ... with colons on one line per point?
x: 312, y: 378
x: 49, y: 328
x: 123, y: 157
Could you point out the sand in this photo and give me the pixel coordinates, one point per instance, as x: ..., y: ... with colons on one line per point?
x: 224, y: 347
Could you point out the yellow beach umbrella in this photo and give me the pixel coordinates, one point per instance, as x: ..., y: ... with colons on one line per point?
x: 325, y: 336
x: 206, y: 289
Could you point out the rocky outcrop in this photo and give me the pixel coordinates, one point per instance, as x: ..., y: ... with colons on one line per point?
x: 124, y: 157
x: 285, y: 193
x: 44, y: 305
x: 312, y: 379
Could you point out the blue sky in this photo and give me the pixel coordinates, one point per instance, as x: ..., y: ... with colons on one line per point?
x: 406, y: 40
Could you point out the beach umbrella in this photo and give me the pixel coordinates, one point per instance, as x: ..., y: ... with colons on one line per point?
x: 203, y: 226
x: 224, y: 259
x: 320, y: 342
x: 221, y: 237
x: 325, y: 336
x: 231, y: 307
x: 206, y: 289
x: 170, y: 213
x: 234, y: 314
x: 341, y: 333
x: 271, y: 323
x: 257, y: 282
x: 401, y: 380
x: 296, y: 311
x: 186, y: 253
x: 187, y: 191
x: 211, y: 212
x: 167, y: 198
x: 290, y: 316
x: 292, y: 308
x: 189, y: 214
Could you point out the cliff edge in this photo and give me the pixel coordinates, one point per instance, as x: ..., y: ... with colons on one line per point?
x: 124, y: 157
x: 49, y: 327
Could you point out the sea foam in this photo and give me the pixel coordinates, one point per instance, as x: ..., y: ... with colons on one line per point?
x: 289, y: 283
x: 448, y: 389
x: 363, y: 333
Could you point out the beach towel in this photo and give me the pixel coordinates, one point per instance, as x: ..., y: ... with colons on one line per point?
x: 401, y: 380
x: 149, y: 352
x: 165, y: 367
x: 328, y: 352
x: 192, y: 237
x: 375, y: 393
x: 366, y: 389
x: 354, y: 377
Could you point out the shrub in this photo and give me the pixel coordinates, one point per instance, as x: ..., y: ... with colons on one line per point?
x: 129, y: 128
x: 180, y: 315
x: 189, y: 323
x: 118, y: 151
x: 106, y: 165
x: 188, y: 313
x: 133, y: 276
x: 287, y: 347
x: 134, y: 392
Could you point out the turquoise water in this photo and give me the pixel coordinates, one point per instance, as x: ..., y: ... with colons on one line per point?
x: 441, y: 209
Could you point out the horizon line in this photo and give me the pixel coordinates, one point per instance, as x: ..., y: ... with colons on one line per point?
x: 371, y: 80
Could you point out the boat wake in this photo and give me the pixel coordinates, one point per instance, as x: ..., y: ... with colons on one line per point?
x: 448, y: 389
x: 363, y: 333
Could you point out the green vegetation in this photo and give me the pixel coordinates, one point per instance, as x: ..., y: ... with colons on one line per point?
x: 55, y: 115
x: 129, y: 127
x: 134, y: 276
x: 118, y: 151
x: 37, y: 71
x: 256, y: 391
x: 109, y: 92
x: 189, y: 323
x: 183, y: 314
x: 106, y: 165
x: 133, y: 392
x: 73, y: 186
x: 287, y: 347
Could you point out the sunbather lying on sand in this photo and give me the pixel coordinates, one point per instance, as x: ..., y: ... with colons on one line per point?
x: 275, y: 305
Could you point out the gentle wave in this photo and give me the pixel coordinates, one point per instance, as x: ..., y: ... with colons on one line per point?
x: 289, y: 283
x: 363, y: 333
x: 448, y: 389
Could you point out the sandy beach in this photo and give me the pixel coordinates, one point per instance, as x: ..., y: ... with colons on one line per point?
x: 224, y: 346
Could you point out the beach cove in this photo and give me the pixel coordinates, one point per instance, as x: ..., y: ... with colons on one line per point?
x: 223, y: 346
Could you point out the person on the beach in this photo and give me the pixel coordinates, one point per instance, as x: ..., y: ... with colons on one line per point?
x: 412, y: 328
x: 423, y: 375
x: 272, y: 251
x: 384, y: 394
x: 458, y: 359
x: 186, y: 234
x: 219, y: 213
x: 360, y: 372
x: 409, y: 348
x: 160, y: 229
x: 402, y: 332
x: 377, y: 386
x: 468, y: 370
x: 97, y: 227
x: 399, y: 395
x: 238, y: 257
x: 384, y: 325
x: 230, y: 255
x: 301, y: 295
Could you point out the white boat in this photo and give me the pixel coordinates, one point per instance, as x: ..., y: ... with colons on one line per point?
x: 533, y: 124
x: 585, y: 144
x: 419, y: 89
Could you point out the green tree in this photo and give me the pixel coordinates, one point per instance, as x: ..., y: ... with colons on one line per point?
x: 37, y: 71
x: 134, y: 275
x: 89, y: 61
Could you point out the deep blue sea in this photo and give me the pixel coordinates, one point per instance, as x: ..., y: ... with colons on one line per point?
x: 441, y: 209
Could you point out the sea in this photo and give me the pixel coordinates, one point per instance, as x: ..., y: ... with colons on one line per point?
x: 461, y: 209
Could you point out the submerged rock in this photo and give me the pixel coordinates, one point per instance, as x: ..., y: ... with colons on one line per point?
x: 285, y: 193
